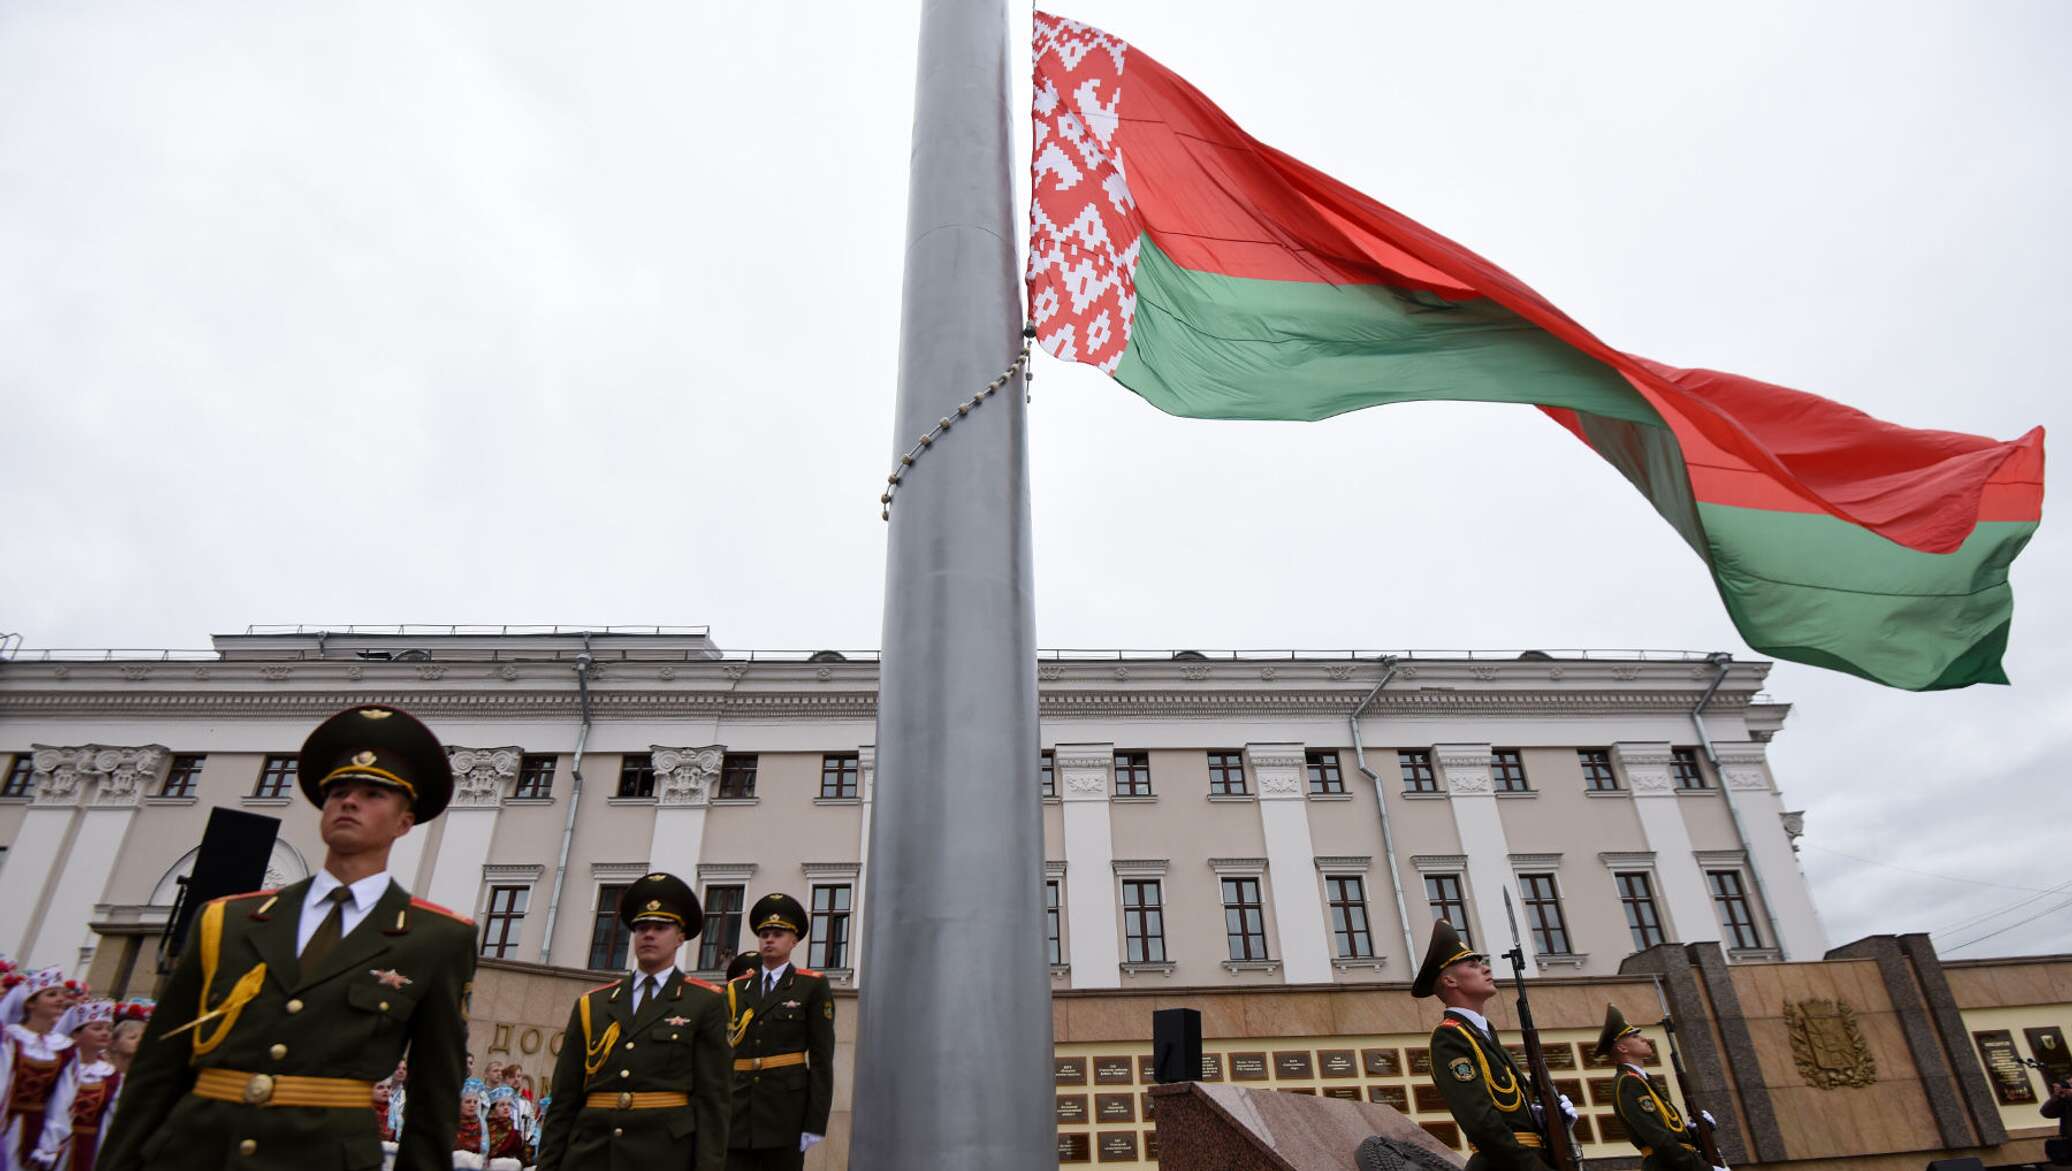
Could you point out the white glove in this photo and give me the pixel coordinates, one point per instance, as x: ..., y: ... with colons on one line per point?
x: 806, y: 1141
x: 1568, y: 1109
x: 1707, y: 1116
x: 1719, y: 1169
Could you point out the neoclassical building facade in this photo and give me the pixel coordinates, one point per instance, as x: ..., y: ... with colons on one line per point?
x: 1210, y: 819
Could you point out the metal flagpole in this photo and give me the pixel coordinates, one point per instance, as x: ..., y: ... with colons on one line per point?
x: 954, y: 1027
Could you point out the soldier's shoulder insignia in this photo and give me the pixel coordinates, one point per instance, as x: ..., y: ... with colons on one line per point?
x: 827, y: 1009
x: 259, y: 912
x: 1648, y: 1104
x: 610, y: 985
x: 436, y: 909
x: 705, y: 984
x: 1462, y: 1069
x: 809, y: 972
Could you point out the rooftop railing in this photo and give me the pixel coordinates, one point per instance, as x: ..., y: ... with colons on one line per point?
x: 667, y: 654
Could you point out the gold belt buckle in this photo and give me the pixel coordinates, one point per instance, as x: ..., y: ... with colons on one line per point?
x: 625, y: 1100
x: 259, y: 1090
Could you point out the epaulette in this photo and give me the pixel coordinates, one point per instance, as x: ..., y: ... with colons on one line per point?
x: 260, y: 912
x: 456, y: 916
x: 809, y: 972
x: 602, y: 987
x: 250, y: 894
x: 706, y: 985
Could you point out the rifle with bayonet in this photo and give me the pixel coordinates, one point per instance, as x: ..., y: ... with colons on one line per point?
x: 1707, y: 1144
x: 1562, y: 1149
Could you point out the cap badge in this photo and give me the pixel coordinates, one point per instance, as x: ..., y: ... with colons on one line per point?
x: 376, y: 713
x: 363, y: 758
x: 654, y: 904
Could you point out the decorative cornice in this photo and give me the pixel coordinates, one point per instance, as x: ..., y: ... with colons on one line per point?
x: 1439, y: 863
x: 1628, y: 860
x: 479, y: 775
x: 1535, y: 861
x: 830, y: 869
x: 1238, y: 865
x: 685, y: 776
x: 1053, y: 869
x: 722, y: 870
x: 121, y: 775
x: 1340, y: 862
x: 513, y: 872
x: 611, y: 871
x: 1721, y: 857
x: 1140, y: 867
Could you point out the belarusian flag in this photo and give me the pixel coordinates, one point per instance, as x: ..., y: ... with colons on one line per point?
x: 1221, y: 279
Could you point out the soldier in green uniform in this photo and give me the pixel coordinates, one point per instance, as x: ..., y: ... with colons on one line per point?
x: 642, y: 1080
x: 784, y: 1047
x: 1666, y: 1143
x: 1484, y: 1089
x: 287, y: 1006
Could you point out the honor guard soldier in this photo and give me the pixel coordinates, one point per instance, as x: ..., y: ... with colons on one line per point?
x: 1483, y: 1086
x: 1666, y: 1143
x: 642, y: 1081
x: 287, y: 1006
x: 784, y: 1047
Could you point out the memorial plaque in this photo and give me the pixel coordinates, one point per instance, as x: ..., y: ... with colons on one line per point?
x: 1430, y: 1100
x: 1248, y: 1067
x: 1075, y: 1148
x: 1115, y: 1108
x: 1561, y: 1056
x: 1573, y: 1088
x: 1602, y: 1090
x: 1337, y: 1063
x: 1421, y: 1062
x: 1582, y: 1128
x: 1114, y: 1071
x: 1592, y: 1061
x: 1293, y: 1063
x: 2003, y: 1065
x: 1310, y: 1090
x: 1212, y: 1067
x: 1349, y: 1093
x: 1119, y: 1148
x: 1392, y: 1096
x: 1612, y: 1130
x: 1069, y: 1071
x: 1144, y: 1104
x: 1382, y: 1062
x: 1151, y: 1146
x: 2047, y: 1046
x: 1147, y: 1070
x: 1445, y: 1132
x: 1071, y: 1108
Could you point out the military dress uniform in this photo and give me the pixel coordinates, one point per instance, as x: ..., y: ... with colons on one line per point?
x: 643, y: 1089
x: 784, y: 1053
x: 1487, y: 1093
x: 1656, y: 1128
x: 262, y: 1058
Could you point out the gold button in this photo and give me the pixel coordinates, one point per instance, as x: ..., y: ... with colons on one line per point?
x: 278, y: 1052
x: 618, y: 1132
x: 629, y: 1044
x: 384, y: 1006
x: 625, y: 1073
x: 294, y: 1006
x: 675, y: 1036
x: 248, y: 1147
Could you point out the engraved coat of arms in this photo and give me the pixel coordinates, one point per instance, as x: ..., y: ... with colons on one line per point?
x: 1828, y: 1044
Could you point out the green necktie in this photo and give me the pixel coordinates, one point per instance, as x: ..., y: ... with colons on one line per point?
x: 329, y: 931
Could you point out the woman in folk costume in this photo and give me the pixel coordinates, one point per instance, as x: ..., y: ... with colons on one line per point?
x: 78, y: 1107
x: 507, y: 1131
x: 33, y: 1055
x: 471, y: 1137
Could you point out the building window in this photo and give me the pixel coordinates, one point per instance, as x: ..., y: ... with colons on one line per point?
x: 183, y: 778
x: 21, y: 774
x: 1347, y: 896
x: 637, y: 774
x: 1133, y: 774
x: 1735, y: 916
x: 737, y: 778
x: 1637, y: 895
x: 276, y: 777
x: 1418, y: 776
x: 1047, y: 773
x: 838, y: 775
x: 1598, y: 776
x: 1443, y: 892
x: 1053, y: 922
x: 1507, y: 771
x: 1543, y: 915
x: 1143, y: 921
x: 830, y: 944
x: 722, y: 926
x: 607, y: 938
x: 1226, y: 774
x: 535, y: 777
x: 1324, y: 776
x: 502, y: 921
x: 1684, y: 763
x: 1244, y: 919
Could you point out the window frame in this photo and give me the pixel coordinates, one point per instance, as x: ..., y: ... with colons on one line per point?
x: 1143, y: 922
x: 1438, y: 904
x: 828, y: 948
x: 1553, y: 939
x: 636, y: 777
x: 186, y: 769
x: 278, y: 773
x: 20, y: 782
x: 733, y: 768
x: 1507, y: 771
x: 721, y: 939
x: 847, y: 770
x: 1054, y: 919
x: 607, y: 931
x: 1321, y: 768
x: 1633, y: 903
x: 536, y: 772
x: 1723, y: 903
x: 1419, y: 774
x: 1686, y: 771
x: 1047, y: 773
x: 503, y: 927
x: 1221, y: 782
x: 1133, y: 774
x: 1349, y: 941
x: 1244, y: 896
x: 1591, y: 760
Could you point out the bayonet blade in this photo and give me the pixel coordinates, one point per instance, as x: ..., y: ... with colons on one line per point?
x: 1512, y: 915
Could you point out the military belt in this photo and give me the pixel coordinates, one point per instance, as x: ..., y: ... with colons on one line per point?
x: 265, y: 1089
x: 623, y: 1100
x: 774, y: 1061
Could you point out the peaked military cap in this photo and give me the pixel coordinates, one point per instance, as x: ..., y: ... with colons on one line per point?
x: 743, y: 964
x: 778, y: 910
x: 662, y: 898
x: 380, y: 745
x: 1615, y: 1030
x: 1445, y: 951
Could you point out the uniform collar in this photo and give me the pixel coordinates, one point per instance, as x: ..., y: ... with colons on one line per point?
x: 365, y: 893
x: 763, y: 975
x: 1472, y: 1017
x: 1636, y: 1069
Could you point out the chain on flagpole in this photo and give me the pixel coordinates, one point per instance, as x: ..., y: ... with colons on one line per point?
x: 1020, y: 366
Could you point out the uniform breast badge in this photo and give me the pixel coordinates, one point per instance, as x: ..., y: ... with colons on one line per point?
x: 791, y: 1004
x: 676, y: 1022
x: 1462, y: 1069
x: 390, y: 978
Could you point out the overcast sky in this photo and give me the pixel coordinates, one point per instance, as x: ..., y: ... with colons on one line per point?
x: 513, y: 313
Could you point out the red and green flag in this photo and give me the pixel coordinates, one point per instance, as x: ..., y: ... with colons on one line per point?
x: 1222, y: 279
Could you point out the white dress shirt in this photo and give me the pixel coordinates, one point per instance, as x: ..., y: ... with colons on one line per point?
x: 1474, y: 1018
x: 365, y: 893
x: 640, y: 985
x: 772, y: 977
